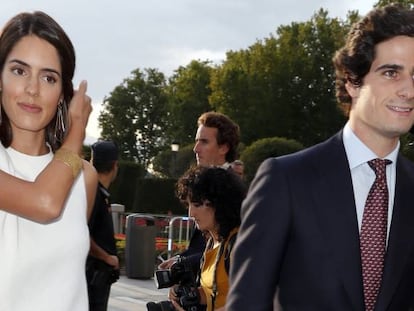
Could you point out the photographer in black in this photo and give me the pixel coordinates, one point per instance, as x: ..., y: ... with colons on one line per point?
x: 213, y: 197
x: 102, y: 265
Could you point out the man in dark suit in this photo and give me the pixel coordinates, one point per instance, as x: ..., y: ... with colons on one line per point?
x: 300, y: 245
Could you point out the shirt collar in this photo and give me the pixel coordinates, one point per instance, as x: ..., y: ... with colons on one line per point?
x: 358, y: 153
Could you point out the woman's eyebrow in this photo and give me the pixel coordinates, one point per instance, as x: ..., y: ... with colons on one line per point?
x: 18, y: 61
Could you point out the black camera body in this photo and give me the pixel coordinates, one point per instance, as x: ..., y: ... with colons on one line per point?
x: 180, y: 273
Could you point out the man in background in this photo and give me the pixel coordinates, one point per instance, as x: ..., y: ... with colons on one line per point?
x: 102, y: 268
x: 216, y: 140
x: 216, y: 144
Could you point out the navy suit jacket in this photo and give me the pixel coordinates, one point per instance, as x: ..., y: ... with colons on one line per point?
x: 299, y: 237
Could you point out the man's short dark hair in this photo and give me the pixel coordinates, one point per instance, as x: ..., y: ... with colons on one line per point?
x: 104, y: 155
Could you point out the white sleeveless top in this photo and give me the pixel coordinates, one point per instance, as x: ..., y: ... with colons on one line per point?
x: 42, y: 267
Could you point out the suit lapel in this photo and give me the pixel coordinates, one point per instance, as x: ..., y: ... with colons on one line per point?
x: 337, y: 212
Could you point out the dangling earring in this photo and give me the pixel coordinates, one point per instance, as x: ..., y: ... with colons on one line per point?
x: 61, y: 118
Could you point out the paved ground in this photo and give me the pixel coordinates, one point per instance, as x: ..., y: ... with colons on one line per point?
x: 133, y: 294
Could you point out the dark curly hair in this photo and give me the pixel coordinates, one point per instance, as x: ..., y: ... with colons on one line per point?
x: 353, y: 61
x: 228, y: 132
x: 223, y: 188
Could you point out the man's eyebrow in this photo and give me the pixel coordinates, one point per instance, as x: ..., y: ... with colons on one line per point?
x: 201, y: 139
x: 390, y: 66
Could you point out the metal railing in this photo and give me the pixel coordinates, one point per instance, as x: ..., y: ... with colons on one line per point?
x: 185, y: 223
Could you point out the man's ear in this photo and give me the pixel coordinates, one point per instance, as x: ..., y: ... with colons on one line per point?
x: 115, y: 164
x: 223, y: 149
x: 352, y: 89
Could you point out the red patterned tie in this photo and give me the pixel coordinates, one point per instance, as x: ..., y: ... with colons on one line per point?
x: 374, y: 233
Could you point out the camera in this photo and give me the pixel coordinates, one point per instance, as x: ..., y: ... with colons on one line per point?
x: 180, y: 273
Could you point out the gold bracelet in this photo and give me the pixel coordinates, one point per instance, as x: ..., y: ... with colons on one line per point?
x: 70, y: 158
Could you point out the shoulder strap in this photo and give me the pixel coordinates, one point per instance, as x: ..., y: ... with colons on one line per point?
x: 227, y: 252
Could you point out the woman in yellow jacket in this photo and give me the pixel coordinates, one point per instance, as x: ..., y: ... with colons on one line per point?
x: 213, y: 197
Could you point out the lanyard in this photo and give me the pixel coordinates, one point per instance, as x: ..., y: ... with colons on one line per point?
x: 218, y: 257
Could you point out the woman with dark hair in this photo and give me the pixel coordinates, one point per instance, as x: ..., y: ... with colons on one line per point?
x: 45, y: 196
x: 213, y: 196
x: 42, y: 266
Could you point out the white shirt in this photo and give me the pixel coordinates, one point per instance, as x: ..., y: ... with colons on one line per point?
x: 363, y: 176
x: 42, y: 266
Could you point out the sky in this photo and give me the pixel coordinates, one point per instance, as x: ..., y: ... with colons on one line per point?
x: 113, y: 38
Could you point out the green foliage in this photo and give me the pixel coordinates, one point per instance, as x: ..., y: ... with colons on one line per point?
x: 156, y: 196
x: 280, y: 86
x: 407, y: 146
x: 265, y: 148
x: 172, y: 165
x: 188, y: 92
x: 162, y: 163
x: 285, y: 81
x: 86, y: 152
x: 135, y: 116
x: 139, y: 193
x: 124, y: 186
x: 406, y: 3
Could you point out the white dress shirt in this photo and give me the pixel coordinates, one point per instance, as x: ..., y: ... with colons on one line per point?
x: 363, y: 176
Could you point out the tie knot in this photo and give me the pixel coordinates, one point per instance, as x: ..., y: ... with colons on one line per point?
x: 378, y: 165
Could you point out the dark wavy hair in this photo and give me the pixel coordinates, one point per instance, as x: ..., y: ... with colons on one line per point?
x: 228, y: 132
x: 43, y: 26
x: 353, y: 61
x: 223, y: 188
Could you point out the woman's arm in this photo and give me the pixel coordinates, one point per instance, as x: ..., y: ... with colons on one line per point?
x: 91, y: 184
x: 43, y: 199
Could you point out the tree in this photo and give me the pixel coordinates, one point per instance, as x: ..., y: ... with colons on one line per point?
x: 135, y: 116
x: 265, y: 148
x: 284, y: 84
x: 188, y: 92
x: 168, y: 164
x: 406, y: 3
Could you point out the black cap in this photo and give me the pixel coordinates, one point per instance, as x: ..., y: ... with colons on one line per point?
x: 104, y: 151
